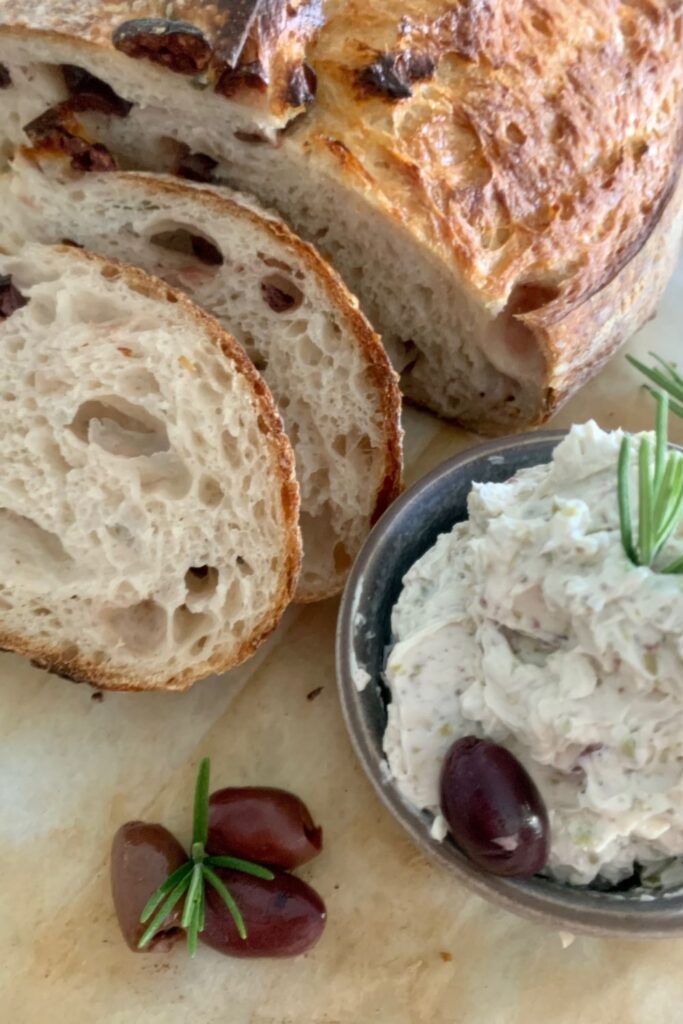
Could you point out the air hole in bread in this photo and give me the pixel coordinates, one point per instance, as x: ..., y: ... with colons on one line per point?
x: 531, y: 295
x: 510, y: 344
x: 309, y: 351
x: 542, y: 25
x: 120, y: 428
x: 645, y: 7
x: 232, y: 449
x: 164, y: 473
x: 199, y: 645
x: 281, y: 294
x: 188, y: 242
x: 5, y: 77
x: 244, y: 567
x: 210, y: 492
x: 201, y: 580
x: 406, y: 354
x: 342, y: 558
x: 11, y: 298
x: 515, y: 134
x: 259, y: 361
x: 339, y: 444
x: 365, y: 445
x: 639, y: 148
x: 274, y: 263
x: 187, y: 625
x: 141, y: 627
x: 27, y: 548
x: 251, y: 138
x: 192, y: 166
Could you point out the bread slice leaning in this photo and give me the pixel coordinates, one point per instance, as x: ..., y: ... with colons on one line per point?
x: 148, y: 504
x: 326, y: 368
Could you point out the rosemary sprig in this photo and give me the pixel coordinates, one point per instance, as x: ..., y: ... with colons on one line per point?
x: 667, y: 378
x: 660, y: 493
x: 190, y: 879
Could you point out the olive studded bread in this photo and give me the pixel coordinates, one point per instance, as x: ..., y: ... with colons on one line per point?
x: 499, y: 183
x: 326, y: 368
x: 148, y: 503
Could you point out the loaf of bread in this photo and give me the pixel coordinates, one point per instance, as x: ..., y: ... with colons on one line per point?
x: 325, y: 367
x: 498, y: 182
x: 148, y: 503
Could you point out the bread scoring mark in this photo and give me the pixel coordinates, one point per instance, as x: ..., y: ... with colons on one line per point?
x: 392, y: 74
x: 11, y: 298
x: 5, y: 77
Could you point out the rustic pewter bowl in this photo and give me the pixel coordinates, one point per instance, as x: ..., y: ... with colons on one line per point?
x: 401, y: 536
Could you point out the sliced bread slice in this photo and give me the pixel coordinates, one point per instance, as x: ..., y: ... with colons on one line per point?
x: 148, y: 503
x: 325, y: 366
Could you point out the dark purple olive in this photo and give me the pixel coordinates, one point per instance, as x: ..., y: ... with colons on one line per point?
x: 283, y: 917
x: 270, y: 826
x: 493, y: 809
x: 143, y: 855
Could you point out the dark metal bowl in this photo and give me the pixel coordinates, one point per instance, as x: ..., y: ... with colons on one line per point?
x: 402, y: 535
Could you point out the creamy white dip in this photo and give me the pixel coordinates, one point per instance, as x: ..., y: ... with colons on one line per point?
x: 528, y: 625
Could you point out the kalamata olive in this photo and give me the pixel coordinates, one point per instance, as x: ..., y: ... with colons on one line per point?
x: 143, y: 855
x: 270, y: 826
x: 493, y: 808
x: 283, y: 917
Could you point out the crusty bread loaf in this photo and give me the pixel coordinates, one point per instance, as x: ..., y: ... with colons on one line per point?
x: 326, y: 368
x: 148, y: 504
x: 498, y: 182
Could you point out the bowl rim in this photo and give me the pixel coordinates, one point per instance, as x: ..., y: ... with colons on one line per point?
x: 565, y: 907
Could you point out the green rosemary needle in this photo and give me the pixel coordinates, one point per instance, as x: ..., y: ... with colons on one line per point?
x: 664, y: 376
x: 190, y: 879
x: 660, y: 493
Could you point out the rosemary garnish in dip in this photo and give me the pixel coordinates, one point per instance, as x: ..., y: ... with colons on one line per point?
x: 190, y: 879
x: 667, y: 378
x: 660, y: 493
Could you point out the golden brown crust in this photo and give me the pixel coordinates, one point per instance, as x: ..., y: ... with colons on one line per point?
x: 79, y: 668
x: 528, y: 145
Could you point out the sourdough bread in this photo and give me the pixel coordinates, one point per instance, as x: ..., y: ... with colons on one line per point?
x: 499, y: 183
x: 148, y: 505
x: 326, y: 368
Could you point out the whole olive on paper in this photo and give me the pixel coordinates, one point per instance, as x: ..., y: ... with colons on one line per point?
x: 143, y: 855
x: 283, y: 917
x: 493, y: 808
x: 267, y: 825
